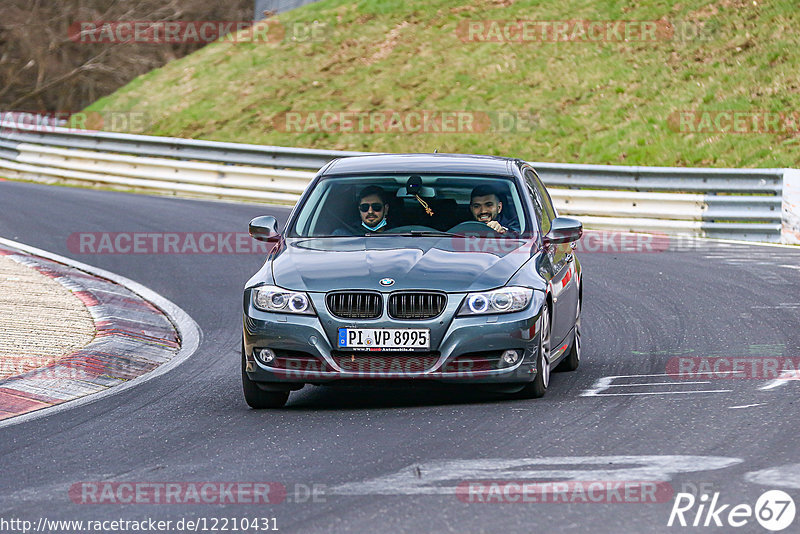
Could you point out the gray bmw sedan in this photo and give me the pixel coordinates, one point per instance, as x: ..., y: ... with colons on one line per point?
x: 442, y: 267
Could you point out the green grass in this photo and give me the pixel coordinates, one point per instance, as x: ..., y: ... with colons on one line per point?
x: 588, y: 102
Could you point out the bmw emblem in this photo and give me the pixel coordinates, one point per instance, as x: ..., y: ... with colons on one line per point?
x: 387, y: 281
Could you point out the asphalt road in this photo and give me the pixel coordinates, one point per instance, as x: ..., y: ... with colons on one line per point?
x: 387, y: 458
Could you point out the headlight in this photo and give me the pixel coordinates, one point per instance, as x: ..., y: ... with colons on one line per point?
x: 276, y: 299
x: 503, y: 300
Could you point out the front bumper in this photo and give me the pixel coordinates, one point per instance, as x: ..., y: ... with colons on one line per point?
x: 306, y: 353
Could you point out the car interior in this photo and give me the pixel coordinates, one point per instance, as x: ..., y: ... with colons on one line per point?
x: 435, y: 203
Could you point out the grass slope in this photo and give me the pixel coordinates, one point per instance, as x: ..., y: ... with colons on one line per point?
x: 590, y: 102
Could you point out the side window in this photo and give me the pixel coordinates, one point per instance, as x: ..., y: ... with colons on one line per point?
x: 537, y: 205
x: 544, y: 208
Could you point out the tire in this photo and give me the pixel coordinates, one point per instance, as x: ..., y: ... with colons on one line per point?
x: 573, y: 359
x: 538, y: 387
x: 258, y: 398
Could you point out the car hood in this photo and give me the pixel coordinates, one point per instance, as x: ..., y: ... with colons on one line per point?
x: 445, y: 264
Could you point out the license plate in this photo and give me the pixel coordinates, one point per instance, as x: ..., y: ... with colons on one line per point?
x: 410, y: 339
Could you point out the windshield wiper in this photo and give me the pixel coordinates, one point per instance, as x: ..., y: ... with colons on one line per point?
x: 427, y: 233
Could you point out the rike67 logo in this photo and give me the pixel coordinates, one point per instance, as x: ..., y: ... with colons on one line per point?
x: 774, y: 510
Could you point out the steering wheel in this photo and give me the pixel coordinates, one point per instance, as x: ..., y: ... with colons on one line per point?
x: 474, y: 227
x: 412, y: 228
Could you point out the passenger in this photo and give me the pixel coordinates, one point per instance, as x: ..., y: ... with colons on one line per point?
x: 486, y: 207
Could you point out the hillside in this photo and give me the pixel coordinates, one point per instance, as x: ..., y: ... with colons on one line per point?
x: 658, y: 99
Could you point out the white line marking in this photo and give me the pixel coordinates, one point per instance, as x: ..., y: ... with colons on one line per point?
x: 782, y: 306
x: 600, y: 385
x: 655, y: 384
x: 787, y: 476
x: 442, y: 477
x: 781, y: 380
x: 98, y: 290
x: 660, y: 374
x: 605, y: 382
x: 746, y: 406
x: 188, y: 329
x: 659, y: 393
x: 730, y: 242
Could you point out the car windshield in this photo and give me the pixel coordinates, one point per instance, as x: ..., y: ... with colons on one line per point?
x: 413, y: 205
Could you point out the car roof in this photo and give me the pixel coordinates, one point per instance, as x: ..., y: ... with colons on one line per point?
x: 422, y: 163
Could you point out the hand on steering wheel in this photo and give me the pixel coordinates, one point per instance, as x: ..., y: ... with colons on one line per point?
x: 497, y: 227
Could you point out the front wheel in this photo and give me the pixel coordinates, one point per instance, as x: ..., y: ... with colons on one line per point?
x: 538, y: 387
x: 258, y: 398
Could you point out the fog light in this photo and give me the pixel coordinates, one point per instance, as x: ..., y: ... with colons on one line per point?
x: 265, y: 355
x: 510, y: 357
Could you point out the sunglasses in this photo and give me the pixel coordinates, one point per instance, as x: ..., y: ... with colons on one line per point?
x: 376, y: 207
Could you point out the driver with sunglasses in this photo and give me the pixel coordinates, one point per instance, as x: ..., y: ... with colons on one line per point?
x: 373, y: 209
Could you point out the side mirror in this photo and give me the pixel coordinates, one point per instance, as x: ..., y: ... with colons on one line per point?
x: 264, y: 228
x: 563, y: 230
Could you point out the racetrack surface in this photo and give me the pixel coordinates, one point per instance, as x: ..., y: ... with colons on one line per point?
x: 381, y: 454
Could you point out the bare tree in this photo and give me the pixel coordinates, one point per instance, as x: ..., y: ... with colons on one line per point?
x: 45, y: 67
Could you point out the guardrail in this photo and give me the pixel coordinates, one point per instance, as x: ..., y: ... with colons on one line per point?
x: 751, y: 204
